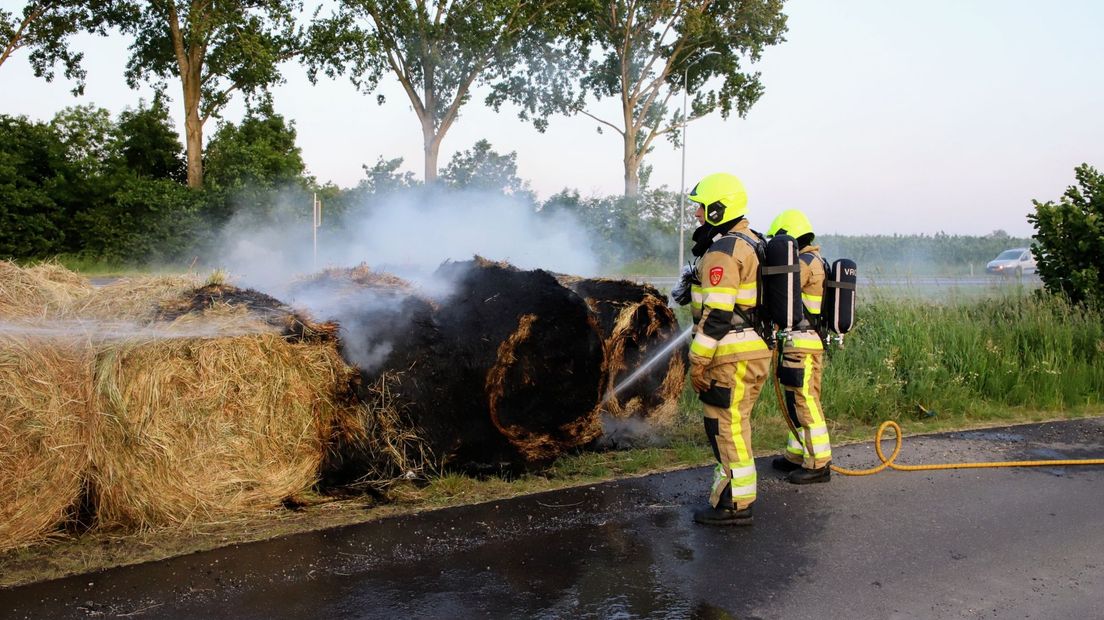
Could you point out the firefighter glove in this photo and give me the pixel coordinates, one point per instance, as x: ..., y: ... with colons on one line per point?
x: 697, y: 377
x: 681, y: 292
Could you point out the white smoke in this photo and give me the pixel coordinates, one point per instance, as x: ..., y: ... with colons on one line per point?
x: 365, y: 317
x: 407, y: 235
x: 624, y: 433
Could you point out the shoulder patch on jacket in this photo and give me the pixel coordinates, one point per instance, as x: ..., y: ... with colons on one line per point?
x: 725, y: 244
x: 808, y: 258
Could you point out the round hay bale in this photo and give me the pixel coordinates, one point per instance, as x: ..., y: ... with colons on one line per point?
x: 508, y: 368
x: 636, y: 325
x: 40, y: 291
x: 44, y: 405
x: 194, y: 430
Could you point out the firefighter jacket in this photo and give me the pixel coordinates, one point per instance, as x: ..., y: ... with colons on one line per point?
x: 805, y: 336
x: 724, y: 300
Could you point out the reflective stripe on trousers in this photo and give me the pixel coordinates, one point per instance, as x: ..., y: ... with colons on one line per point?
x: 729, y: 430
x: 813, y: 448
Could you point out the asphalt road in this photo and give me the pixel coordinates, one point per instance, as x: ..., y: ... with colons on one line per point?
x: 1009, y: 543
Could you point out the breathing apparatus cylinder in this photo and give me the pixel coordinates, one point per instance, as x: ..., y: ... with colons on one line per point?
x: 838, y: 309
x: 781, y: 282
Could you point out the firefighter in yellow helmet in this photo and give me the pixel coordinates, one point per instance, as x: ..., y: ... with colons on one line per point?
x: 729, y: 361
x: 808, y: 450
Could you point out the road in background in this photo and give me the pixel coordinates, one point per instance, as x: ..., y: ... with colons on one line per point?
x: 894, y: 282
x: 1001, y: 543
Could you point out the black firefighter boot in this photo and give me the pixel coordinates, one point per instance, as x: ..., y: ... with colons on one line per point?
x: 811, y: 476
x: 724, y: 513
x: 782, y: 463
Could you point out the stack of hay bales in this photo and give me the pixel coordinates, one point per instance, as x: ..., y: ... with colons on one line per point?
x: 153, y: 402
x: 157, y: 401
x: 45, y: 395
x: 636, y: 324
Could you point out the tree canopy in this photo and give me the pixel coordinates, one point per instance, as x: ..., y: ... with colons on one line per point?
x: 212, y: 49
x: 66, y: 187
x: 148, y: 143
x: 439, y: 51
x: 649, y: 48
x: 260, y: 151
x: 481, y: 167
x: 44, y: 27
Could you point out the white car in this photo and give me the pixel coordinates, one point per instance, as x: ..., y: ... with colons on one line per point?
x: 1014, y: 262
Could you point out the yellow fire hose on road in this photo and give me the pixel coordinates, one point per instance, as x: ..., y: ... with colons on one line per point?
x: 888, y: 462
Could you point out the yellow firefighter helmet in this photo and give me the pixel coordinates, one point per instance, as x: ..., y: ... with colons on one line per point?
x: 791, y: 222
x: 723, y: 197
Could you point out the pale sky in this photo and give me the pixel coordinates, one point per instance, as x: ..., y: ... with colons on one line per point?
x: 879, y: 117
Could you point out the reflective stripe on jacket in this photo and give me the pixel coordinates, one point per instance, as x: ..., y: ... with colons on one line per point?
x: 812, y: 295
x: 728, y: 273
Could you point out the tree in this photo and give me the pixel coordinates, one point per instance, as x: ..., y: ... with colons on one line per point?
x: 1069, y: 239
x: 213, y: 48
x: 91, y: 169
x: 88, y: 134
x: 480, y: 167
x: 44, y: 27
x: 630, y: 229
x: 652, y: 46
x: 255, y: 168
x: 384, y: 177
x: 439, y: 51
x: 148, y: 143
x: 66, y: 187
x: 31, y: 156
x: 260, y: 152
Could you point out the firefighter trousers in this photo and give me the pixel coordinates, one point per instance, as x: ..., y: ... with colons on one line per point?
x: 799, y: 373
x: 727, y: 406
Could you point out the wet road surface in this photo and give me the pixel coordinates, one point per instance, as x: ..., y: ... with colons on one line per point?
x: 1010, y: 543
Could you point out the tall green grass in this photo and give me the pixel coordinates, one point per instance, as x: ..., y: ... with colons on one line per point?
x: 941, y: 362
x: 970, y: 358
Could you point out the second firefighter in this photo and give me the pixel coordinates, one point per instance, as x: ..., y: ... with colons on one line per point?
x: 801, y: 363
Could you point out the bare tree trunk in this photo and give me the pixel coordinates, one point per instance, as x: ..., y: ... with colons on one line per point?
x: 632, y: 178
x: 193, y: 131
x: 431, y: 145
x: 632, y: 163
x: 190, y: 66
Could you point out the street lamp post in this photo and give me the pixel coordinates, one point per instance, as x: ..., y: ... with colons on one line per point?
x: 682, y: 180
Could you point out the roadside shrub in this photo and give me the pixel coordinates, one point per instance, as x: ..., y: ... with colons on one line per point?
x: 1069, y: 239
